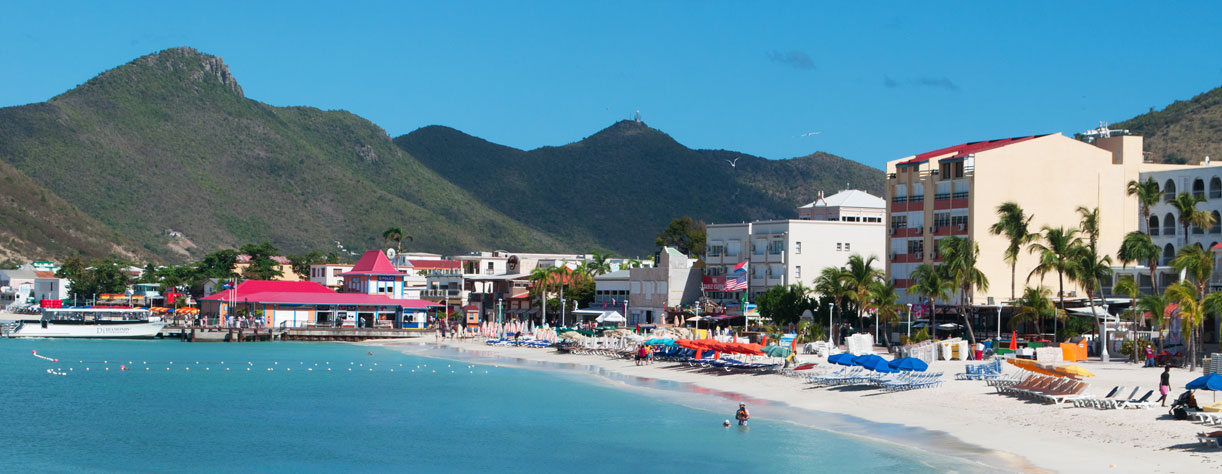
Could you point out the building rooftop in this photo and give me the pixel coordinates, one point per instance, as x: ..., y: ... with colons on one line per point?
x: 373, y: 262
x: 964, y: 149
x: 425, y: 264
x: 306, y: 292
x: 848, y: 198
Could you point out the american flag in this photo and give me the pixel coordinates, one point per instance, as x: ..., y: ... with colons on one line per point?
x: 738, y: 283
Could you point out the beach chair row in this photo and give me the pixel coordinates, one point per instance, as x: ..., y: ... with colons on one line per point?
x: 534, y: 343
x: 1115, y: 399
x: 844, y: 376
x: 1008, y: 380
x: 1046, y: 389
x: 912, y: 381
x: 732, y: 365
x: 986, y: 371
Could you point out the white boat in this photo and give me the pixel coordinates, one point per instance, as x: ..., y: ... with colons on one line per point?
x: 120, y: 323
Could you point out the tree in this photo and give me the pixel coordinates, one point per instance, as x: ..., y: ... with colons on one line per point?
x: 1148, y: 194
x: 218, y: 264
x: 261, y: 266
x: 301, y: 263
x: 785, y: 304
x: 539, y: 285
x: 1088, y: 268
x: 959, y: 256
x: 1012, y: 222
x: 396, y: 235
x: 1054, y: 252
x: 858, y: 274
x: 1185, y: 205
x: 1138, y: 247
x: 1156, y: 305
x: 1126, y: 285
x: 685, y: 234
x: 599, y: 264
x: 1197, y: 264
x: 830, y: 284
x: 634, y: 263
x: 149, y: 275
x: 932, y: 283
x: 1090, y: 225
x: 1035, y: 306
x: 886, y: 303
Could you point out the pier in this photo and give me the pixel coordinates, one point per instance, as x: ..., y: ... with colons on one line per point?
x: 231, y: 334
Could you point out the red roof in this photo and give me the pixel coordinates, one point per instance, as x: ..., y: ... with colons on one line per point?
x: 44, y: 274
x: 374, y: 262
x: 964, y: 149
x: 435, y: 264
x: 1217, y: 246
x: 307, y: 292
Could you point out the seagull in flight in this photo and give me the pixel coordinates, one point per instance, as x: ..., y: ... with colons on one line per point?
x: 808, y: 134
x: 734, y: 163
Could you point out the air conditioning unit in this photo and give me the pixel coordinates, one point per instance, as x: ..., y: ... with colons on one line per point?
x: 920, y: 230
x: 933, y: 229
x: 962, y: 227
x: 891, y: 231
x: 893, y: 255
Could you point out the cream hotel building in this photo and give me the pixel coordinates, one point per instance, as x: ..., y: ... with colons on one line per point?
x: 955, y: 191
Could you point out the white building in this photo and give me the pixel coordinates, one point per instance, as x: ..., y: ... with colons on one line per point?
x: 785, y: 252
x: 611, y: 289
x: 328, y: 274
x: 47, y: 286
x: 652, y: 291
x: 16, y: 287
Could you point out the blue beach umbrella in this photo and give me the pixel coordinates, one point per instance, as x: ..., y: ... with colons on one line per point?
x: 862, y: 359
x: 878, y: 364
x: 908, y: 364
x: 1208, y: 382
x: 843, y: 358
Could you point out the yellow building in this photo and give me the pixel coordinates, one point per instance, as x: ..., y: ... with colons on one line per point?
x: 956, y: 191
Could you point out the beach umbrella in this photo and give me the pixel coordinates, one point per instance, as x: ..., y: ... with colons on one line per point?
x: 843, y: 358
x: 908, y: 364
x: 878, y: 364
x: 1208, y: 382
x: 1074, y: 371
x: 862, y: 359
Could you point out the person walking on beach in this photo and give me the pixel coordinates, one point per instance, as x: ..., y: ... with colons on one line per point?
x: 1164, y: 385
x: 1149, y: 356
x: 742, y: 415
x: 641, y: 353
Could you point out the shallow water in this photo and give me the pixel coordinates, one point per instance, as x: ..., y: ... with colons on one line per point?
x: 299, y: 416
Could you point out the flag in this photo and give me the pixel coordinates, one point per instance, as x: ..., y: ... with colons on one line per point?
x: 738, y: 283
x: 740, y: 268
x: 228, y: 285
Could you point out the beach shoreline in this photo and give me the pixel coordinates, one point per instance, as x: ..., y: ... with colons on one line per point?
x: 966, y: 419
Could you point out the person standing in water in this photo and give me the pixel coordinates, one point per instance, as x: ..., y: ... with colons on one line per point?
x: 742, y: 415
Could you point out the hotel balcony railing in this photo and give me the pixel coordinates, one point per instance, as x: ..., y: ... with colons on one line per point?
x: 899, y: 199
x: 941, y: 197
x: 917, y: 198
x: 1169, y: 196
x: 1154, y: 231
x: 1215, y: 194
x: 1197, y: 230
x: 440, y: 293
x: 1216, y: 229
x: 959, y: 195
x: 1169, y: 230
x: 1200, y: 194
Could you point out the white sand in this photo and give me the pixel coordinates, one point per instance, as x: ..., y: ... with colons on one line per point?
x: 1065, y: 439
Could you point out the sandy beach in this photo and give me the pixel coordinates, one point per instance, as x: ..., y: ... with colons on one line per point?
x: 1013, y: 433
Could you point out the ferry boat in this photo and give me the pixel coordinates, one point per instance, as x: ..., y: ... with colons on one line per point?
x: 120, y: 323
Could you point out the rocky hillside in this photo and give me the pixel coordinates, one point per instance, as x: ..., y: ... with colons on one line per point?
x: 1184, y: 132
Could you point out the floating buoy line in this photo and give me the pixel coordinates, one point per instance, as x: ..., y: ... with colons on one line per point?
x: 91, y: 366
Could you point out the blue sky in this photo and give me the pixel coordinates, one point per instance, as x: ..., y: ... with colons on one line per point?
x: 878, y: 80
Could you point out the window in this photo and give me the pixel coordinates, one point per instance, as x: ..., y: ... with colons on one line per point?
x: 797, y: 271
x: 941, y: 219
x: 716, y: 249
x: 846, y: 247
x: 916, y: 247
x: 733, y: 247
x: 1169, y: 190
x: 1215, y: 188
x: 1198, y: 188
x: 757, y: 246
x: 899, y: 222
x: 1152, y: 226
x: 1168, y: 224
x: 1217, y: 227
x: 838, y: 246
x: 757, y: 271
x: 776, y: 247
x: 797, y: 247
x: 958, y: 221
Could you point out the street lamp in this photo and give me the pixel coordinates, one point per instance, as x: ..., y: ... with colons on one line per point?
x: 1103, y: 355
x: 829, y: 323
x: 999, y: 322
x: 909, y: 320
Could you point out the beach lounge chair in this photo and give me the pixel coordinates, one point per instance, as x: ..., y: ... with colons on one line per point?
x: 1114, y: 403
x: 1090, y: 400
x: 1143, y: 402
x: 1210, y: 441
x: 1074, y: 390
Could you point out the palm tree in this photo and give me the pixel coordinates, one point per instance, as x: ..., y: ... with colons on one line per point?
x: 1148, y: 194
x: 599, y: 264
x: 1138, y: 247
x: 539, y: 278
x: 1156, y: 305
x: 1054, y: 252
x: 1088, y: 268
x: 960, y: 255
x: 858, y: 275
x: 1090, y: 225
x: 1126, y: 285
x: 1012, y: 222
x: 1035, y: 305
x: 634, y: 263
x: 931, y: 282
x: 396, y: 235
x: 885, y: 301
x: 830, y: 284
x: 1198, y: 265
x: 1185, y: 205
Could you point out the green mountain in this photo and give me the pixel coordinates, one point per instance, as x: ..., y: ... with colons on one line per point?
x: 167, y: 151
x: 617, y: 188
x: 1184, y: 132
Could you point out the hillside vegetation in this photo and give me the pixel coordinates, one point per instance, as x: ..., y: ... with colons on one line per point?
x: 1184, y: 132
x: 617, y: 188
x: 169, y: 142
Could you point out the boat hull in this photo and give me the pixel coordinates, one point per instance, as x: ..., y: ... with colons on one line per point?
x: 125, y: 330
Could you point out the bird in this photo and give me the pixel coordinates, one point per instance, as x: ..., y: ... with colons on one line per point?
x: 733, y: 163
x: 807, y: 134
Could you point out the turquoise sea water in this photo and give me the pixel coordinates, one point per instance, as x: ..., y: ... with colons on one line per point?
x: 300, y: 417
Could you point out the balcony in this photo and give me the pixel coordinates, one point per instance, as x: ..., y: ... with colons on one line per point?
x: 440, y: 293
x: 942, y: 197
x: 899, y: 199
x: 1168, y: 230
